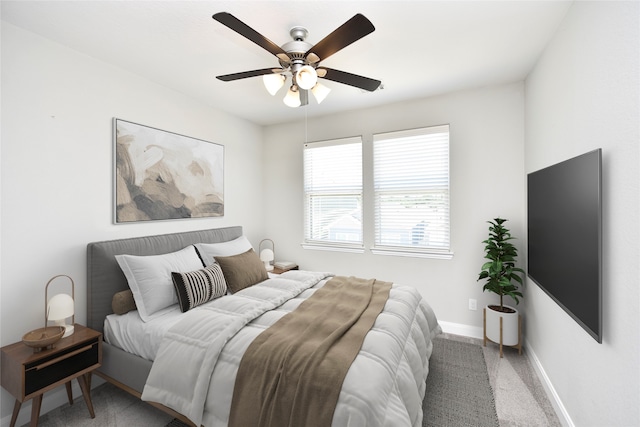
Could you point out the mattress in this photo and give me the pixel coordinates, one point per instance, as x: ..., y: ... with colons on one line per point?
x: 130, y: 333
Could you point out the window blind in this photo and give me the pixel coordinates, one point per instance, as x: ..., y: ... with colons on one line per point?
x: 333, y: 192
x: 411, y: 190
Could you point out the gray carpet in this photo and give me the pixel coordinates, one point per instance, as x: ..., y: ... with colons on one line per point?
x: 458, y: 389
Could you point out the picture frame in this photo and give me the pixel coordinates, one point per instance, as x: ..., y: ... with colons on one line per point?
x: 162, y: 175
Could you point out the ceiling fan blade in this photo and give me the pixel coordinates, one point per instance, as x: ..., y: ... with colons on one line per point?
x: 246, y: 74
x: 246, y: 31
x: 349, y: 79
x: 352, y: 30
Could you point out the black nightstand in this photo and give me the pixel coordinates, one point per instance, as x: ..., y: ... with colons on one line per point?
x: 28, y: 375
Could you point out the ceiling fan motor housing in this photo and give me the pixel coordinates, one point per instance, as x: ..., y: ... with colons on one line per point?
x: 296, y: 49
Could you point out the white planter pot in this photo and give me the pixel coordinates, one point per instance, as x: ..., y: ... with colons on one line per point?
x: 510, y: 329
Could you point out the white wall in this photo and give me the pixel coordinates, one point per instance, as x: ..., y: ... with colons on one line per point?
x: 583, y: 94
x: 57, y: 161
x: 487, y: 180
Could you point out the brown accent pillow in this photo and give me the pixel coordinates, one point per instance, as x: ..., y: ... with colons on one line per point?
x: 123, y: 302
x: 243, y: 270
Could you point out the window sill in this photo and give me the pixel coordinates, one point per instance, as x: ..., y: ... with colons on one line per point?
x: 434, y: 254
x: 333, y: 248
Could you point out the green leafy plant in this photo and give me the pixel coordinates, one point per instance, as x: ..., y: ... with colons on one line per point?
x: 500, y: 271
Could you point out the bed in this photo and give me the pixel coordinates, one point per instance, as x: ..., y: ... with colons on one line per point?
x: 206, y: 399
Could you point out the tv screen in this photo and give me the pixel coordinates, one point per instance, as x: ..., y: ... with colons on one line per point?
x: 564, y: 207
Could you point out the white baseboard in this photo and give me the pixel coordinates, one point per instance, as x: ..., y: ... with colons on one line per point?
x: 460, y: 329
x: 553, y: 396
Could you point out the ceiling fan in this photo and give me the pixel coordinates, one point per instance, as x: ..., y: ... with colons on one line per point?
x: 302, y: 60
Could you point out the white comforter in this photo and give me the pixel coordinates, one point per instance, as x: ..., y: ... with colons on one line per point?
x: 195, y: 369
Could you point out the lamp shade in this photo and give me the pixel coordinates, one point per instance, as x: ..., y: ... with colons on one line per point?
x: 266, y: 255
x: 320, y: 92
x: 306, y: 77
x: 60, y: 307
x: 273, y: 82
x: 292, y: 99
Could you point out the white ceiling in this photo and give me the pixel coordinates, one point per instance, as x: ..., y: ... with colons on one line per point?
x: 419, y: 48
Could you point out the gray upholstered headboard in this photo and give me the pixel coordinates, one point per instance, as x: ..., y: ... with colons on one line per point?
x: 105, y: 278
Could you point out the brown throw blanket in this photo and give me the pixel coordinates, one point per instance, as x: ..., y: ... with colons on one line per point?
x: 292, y: 373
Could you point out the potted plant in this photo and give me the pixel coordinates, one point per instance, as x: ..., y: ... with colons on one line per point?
x: 502, y: 278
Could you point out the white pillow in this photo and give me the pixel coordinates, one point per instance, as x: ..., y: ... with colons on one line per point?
x: 150, y: 281
x: 208, y: 251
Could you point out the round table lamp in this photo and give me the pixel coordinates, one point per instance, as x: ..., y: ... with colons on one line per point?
x: 58, y: 309
x: 267, y: 255
x: 61, y: 307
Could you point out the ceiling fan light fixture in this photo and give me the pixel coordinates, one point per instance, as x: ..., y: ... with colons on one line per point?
x: 273, y: 82
x: 301, y: 59
x: 306, y: 77
x: 320, y: 92
x: 292, y: 98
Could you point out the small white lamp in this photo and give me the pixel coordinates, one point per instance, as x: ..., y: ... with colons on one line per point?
x: 60, y: 307
x: 267, y: 255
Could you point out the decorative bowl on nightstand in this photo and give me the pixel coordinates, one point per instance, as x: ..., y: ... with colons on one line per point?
x: 41, y: 339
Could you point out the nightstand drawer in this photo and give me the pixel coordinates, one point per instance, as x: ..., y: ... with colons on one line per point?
x: 59, y: 366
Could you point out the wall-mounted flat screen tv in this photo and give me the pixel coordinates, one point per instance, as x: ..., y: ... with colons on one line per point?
x: 564, y: 233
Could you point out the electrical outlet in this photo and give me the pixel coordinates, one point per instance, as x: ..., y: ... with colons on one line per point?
x: 473, y: 304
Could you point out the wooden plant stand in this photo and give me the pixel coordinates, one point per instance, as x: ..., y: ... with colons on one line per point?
x: 484, y: 333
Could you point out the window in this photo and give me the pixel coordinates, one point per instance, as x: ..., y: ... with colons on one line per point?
x: 333, y: 193
x: 411, y: 191
x: 406, y: 199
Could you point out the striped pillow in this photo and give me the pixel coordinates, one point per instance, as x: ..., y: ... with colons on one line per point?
x: 197, y: 287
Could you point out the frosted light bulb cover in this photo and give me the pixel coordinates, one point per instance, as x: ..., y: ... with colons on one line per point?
x: 273, y: 82
x: 292, y: 99
x: 320, y: 92
x: 306, y: 77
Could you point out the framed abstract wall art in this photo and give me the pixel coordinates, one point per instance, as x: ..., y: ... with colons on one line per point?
x: 161, y: 175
